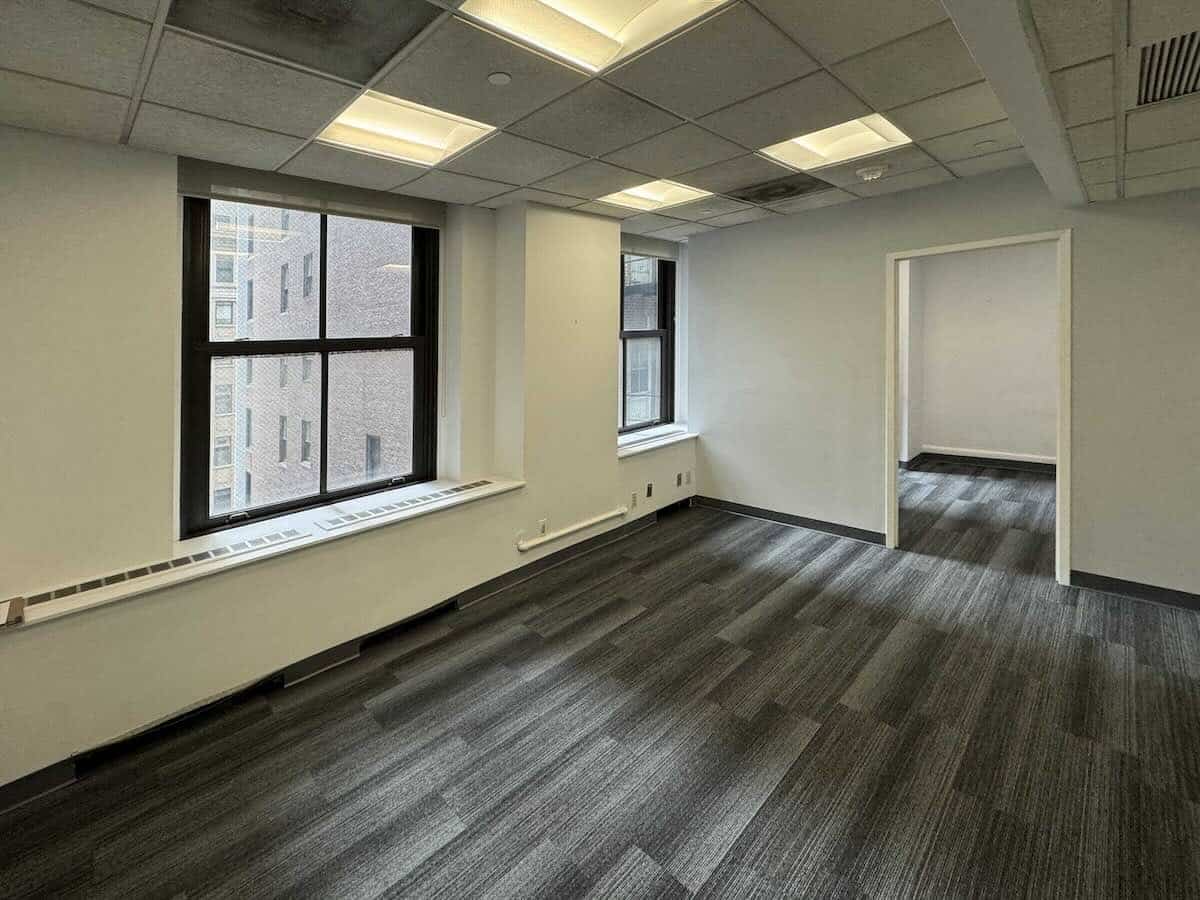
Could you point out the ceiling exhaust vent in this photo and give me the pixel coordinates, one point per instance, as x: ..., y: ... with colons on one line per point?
x: 1169, y: 68
x: 780, y: 189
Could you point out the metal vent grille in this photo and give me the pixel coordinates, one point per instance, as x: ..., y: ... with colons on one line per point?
x: 1169, y: 68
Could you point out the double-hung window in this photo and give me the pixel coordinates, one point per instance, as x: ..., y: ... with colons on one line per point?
x: 365, y: 351
x: 647, y: 343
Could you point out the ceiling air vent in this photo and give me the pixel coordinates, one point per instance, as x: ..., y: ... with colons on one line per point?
x: 1169, y: 68
x: 780, y: 189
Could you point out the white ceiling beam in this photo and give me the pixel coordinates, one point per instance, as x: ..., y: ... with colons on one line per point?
x: 1000, y: 35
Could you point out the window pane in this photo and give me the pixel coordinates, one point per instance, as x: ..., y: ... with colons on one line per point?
x: 259, y: 253
x: 369, y: 288
x: 259, y: 441
x: 370, y: 416
x: 643, y: 381
x: 639, y: 293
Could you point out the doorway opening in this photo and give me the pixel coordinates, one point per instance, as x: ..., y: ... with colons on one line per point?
x: 978, y: 403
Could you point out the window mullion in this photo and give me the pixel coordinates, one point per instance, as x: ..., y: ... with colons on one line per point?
x: 324, y: 354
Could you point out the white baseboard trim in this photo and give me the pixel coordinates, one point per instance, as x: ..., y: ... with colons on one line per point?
x: 988, y: 454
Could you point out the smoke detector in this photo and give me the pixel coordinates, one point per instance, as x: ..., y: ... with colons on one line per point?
x: 871, y: 173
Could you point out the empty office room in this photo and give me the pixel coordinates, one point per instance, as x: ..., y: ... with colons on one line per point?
x: 600, y: 448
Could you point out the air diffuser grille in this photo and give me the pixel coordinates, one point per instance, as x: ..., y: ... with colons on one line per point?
x: 1169, y: 68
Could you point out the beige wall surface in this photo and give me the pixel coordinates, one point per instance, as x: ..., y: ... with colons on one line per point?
x: 90, y: 247
x: 786, y: 344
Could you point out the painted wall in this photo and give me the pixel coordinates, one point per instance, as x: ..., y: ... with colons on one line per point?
x: 90, y: 247
x: 787, y: 360
x: 983, y: 352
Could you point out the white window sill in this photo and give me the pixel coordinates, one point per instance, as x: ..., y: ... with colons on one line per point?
x: 244, y: 544
x: 652, y: 439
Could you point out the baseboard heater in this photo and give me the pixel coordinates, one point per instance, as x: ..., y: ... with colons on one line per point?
x: 525, y: 545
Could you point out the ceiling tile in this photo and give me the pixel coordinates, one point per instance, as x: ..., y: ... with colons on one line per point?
x: 963, y: 144
x: 1098, y: 171
x: 836, y: 29
x: 1164, y: 123
x: 139, y: 9
x: 1154, y: 20
x: 347, y: 167
x: 1085, y: 93
x: 451, y: 188
x: 813, y: 201
x: 1183, y: 180
x: 706, y: 208
x: 1162, y: 159
x: 187, y: 134
x: 679, y: 232
x: 595, y: 120
x: 72, y: 43
x: 505, y: 157
x: 608, y: 209
x: 907, y: 182
x: 591, y: 180
x: 929, y: 62
x: 29, y: 102
x: 726, y: 58
x: 203, y: 78
x: 753, y: 214
x: 809, y: 104
x: 531, y: 195
x: 946, y: 113
x: 449, y: 71
x: 1100, y: 193
x: 1073, y: 31
x: 1093, y: 141
x: 733, y: 174
x: 648, y: 222
x: 899, y: 161
x: 678, y: 150
x: 991, y: 162
x: 353, y: 40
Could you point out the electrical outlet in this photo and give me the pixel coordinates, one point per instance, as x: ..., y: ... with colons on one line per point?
x: 633, y: 500
x: 541, y: 526
x: 687, y: 478
x: 649, y: 490
x: 678, y: 479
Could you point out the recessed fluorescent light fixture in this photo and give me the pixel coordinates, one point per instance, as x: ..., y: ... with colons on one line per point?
x: 655, y: 196
x: 590, y: 33
x: 841, y: 143
x: 393, y: 128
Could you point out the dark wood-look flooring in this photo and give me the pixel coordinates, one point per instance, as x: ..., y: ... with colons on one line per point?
x: 716, y: 705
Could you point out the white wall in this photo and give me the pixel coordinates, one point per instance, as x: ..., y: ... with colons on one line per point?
x: 983, y: 347
x: 787, y: 360
x: 90, y: 247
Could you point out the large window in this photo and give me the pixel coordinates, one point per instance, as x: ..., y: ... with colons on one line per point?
x: 647, y: 343
x: 364, y: 351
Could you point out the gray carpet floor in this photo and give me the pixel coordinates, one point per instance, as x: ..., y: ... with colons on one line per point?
x: 717, y: 706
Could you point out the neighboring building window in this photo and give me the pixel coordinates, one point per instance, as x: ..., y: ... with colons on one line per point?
x: 223, y: 399
x: 365, y: 345
x: 246, y: 492
x: 285, y: 220
x: 224, y: 270
x: 646, y: 343
x: 374, y: 456
x: 223, y: 312
x: 222, y: 451
x: 221, y: 500
x: 308, y: 276
x: 250, y: 233
x: 249, y: 298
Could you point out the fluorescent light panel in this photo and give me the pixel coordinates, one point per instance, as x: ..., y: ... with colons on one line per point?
x: 841, y: 143
x: 654, y: 196
x: 397, y: 129
x: 590, y: 33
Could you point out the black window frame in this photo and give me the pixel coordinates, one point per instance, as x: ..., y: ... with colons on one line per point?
x: 199, y: 350
x: 666, y: 337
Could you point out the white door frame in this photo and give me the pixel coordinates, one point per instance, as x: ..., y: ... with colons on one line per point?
x: 1062, y: 547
